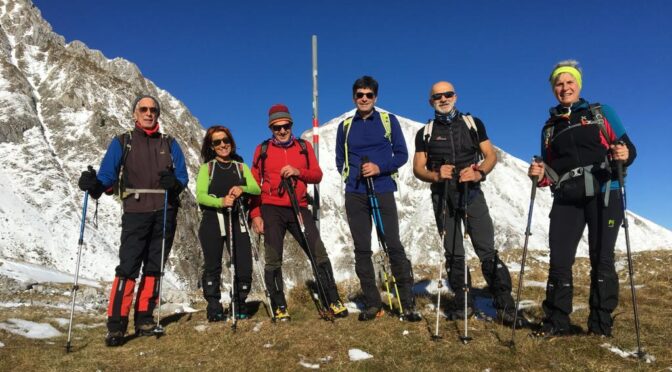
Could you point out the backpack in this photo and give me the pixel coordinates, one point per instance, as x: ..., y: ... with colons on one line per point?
x: 598, y: 119
x: 263, y: 155
x: 387, y: 125
x: 471, y: 125
x: 125, y: 139
x: 578, y: 183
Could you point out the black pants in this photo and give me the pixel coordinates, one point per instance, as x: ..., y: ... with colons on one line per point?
x: 277, y: 221
x: 567, y: 224
x: 360, y: 221
x: 141, y: 243
x: 212, y: 243
x: 482, y: 235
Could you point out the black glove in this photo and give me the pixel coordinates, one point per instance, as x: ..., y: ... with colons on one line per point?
x: 167, y: 180
x: 88, y: 181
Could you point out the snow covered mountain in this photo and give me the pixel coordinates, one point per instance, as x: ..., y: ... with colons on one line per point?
x: 60, y: 104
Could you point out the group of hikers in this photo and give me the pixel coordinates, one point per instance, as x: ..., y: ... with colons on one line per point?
x: 580, y: 143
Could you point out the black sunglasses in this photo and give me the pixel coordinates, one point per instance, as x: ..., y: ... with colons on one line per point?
x: 437, y: 96
x: 277, y: 128
x: 368, y: 95
x: 153, y: 110
x: 217, y: 142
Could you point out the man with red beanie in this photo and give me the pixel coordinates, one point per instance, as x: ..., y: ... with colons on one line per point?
x: 147, y: 164
x: 285, y: 157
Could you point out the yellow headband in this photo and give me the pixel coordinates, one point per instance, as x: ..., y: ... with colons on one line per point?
x: 567, y: 69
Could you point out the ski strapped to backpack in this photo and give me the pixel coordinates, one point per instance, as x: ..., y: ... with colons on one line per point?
x: 125, y: 139
x: 587, y: 171
x: 473, y: 132
x: 263, y: 155
x: 347, y: 123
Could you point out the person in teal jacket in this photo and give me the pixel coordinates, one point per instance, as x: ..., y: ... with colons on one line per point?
x: 222, y: 179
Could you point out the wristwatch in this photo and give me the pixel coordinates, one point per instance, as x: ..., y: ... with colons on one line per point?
x: 482, y: 174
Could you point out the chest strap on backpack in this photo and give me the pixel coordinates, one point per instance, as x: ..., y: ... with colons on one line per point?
x: 136, y: 192
x: 588, y: 178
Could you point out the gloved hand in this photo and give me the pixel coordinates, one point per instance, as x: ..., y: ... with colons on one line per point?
x: 88, y: 181
x: 168, y: 180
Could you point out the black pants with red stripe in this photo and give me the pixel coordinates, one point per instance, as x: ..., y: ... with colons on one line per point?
x: 567, y: 224
x: 141, y: 244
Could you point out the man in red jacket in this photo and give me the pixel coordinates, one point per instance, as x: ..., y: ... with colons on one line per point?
x: 284, y: 157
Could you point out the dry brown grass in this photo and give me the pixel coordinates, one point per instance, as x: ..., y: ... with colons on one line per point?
x: 306, y: 338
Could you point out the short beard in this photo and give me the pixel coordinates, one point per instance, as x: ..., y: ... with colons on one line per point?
x: 438, y: 109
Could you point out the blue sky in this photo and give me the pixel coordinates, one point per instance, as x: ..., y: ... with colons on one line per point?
x: 229, y: 61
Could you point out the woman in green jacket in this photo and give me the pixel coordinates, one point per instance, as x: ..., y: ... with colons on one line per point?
x: 222, y: 179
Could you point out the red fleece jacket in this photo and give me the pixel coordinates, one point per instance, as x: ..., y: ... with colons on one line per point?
x: 276, y: 158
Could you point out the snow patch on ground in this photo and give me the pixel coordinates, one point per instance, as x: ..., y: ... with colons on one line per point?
x: 534, y: 283
x: 357, y: 354
x: 305, y: 364
x: 31, y: 273
x: 29, y: 329
x: 2, y: 345
x: 201, y: 328
x: 648, y: 358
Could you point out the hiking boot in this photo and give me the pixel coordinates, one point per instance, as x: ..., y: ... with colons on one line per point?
x: 282, y: 314
x: 145, y: 329
x: 216, y: 316
x: 371, y: 313
x: 599, y: 333
x: 507, y: 316
x: 411, y: 315
x: 339, y: 310
x: 242, y: 312
x: 114, y: 338
x: 458, y: 314
x: 547, y: 330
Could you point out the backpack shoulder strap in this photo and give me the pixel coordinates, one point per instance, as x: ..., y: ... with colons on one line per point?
x: 262, y: 159
x: 427, y: 131
x: 473, y: 133
x: 598, y: 117
x: 304, y: 150
x: 211, y: 170
x: 387, y: 124
x: 346, y: 131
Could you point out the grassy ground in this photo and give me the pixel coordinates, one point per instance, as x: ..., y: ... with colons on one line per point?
x: 191, y: 343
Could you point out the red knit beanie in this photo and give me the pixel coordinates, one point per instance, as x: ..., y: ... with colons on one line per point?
x: 277, y: 113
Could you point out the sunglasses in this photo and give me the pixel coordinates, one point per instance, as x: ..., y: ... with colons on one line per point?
x: 437, y: 96
x: 361, y: 95
x: 153, y: 110
x: 277, y: 128
x: 218, y: 142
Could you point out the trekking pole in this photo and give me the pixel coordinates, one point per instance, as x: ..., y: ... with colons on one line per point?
x: 619, y: 170
x: 232, y: 269
x: 533, y: 193
x: 75, y: 286
x: 323, y: 307
x: 255, y: 254
x: 380, y: 231
x: 442, y: 233
x: 465, y: 339
x: 158, y: 330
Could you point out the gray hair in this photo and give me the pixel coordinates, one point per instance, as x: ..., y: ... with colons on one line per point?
x: 567, y: 62
x: 137, y: 100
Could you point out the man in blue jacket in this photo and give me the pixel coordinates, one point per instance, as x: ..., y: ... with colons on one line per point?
x: 147, y: 164
x: 371, y: 144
